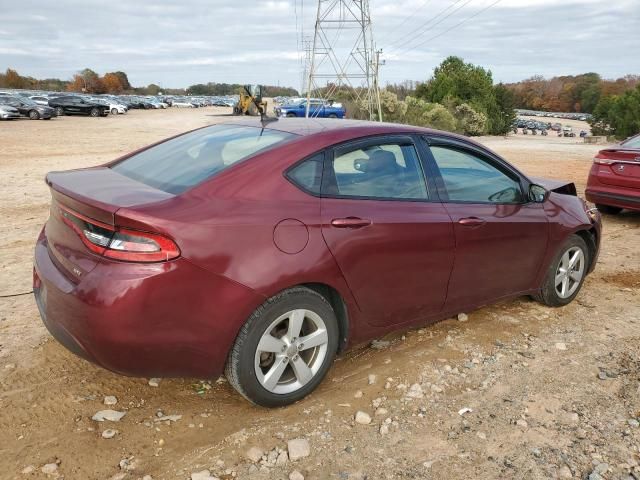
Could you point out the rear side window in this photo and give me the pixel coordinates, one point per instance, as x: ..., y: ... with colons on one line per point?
x: 185, y: 161
x: 385, y: 171
x: 308, y: 174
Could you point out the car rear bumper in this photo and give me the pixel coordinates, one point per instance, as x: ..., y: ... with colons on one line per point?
x: 614, y: 197
x: 169, y: 319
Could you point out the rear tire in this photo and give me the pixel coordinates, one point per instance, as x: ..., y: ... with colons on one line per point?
x: 114, y: 111
x: 291, y: 115
x: 565, y: 276
x: 608, y: 209
x: 270, y: 364
x: 333, y: 115
x: 60, y: 111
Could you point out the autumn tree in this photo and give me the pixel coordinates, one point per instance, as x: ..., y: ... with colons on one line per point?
x: 112, y: 83
x: 13, y: 80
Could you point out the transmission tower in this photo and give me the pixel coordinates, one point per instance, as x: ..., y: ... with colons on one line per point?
x: 342, y: 57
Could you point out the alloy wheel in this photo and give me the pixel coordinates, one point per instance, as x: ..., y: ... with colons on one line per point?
x: 291, y: 351
x: 569, y: 272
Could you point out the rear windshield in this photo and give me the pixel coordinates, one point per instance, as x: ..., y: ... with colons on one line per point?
x: 632, y: 142
x: 185, y: 161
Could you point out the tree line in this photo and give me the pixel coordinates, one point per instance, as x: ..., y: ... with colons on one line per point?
x: 459, y: 97
x: 571, y: 93
x: 88, y: 81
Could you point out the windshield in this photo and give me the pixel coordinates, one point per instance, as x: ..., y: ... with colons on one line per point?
x: 185, y: 161
x: 633, y: 142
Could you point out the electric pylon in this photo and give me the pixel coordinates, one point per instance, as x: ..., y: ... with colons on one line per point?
x: 342, y: 57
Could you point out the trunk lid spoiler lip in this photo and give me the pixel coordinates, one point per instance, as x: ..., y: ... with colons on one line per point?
x: 99, y: 192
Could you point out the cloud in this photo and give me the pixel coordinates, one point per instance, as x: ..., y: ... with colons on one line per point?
x: 178, y: 44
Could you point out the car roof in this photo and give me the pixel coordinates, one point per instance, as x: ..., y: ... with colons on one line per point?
x: 312, y: 126
x: 329, y: 131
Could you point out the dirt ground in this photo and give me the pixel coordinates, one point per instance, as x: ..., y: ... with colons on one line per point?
x: 552, y: 393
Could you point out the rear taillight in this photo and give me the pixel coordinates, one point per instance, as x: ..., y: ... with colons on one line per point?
x: 601, y: 160
x: 119, y: 243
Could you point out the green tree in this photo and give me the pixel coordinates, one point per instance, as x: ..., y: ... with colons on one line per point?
x: 469, y: 121
x: 432, y: 115
x: 618, y: 114
x: 502, y: 114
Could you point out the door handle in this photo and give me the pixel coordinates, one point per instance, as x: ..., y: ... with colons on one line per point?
x: 350, y: 222
x: 472, y: 221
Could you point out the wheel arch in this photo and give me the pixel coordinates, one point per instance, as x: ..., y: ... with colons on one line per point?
x: 339, y: 307
x: 590, y: 237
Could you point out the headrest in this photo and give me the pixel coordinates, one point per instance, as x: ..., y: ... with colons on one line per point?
x: 381, y: 161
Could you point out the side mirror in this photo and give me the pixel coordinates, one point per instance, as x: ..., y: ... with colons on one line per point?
x: 538, y: 194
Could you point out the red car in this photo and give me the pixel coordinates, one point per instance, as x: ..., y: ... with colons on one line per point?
x: 262, y: 250
x: 614, y: 179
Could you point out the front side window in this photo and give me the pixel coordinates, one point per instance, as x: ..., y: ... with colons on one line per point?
x: 187, y: 160
x: 385, y: 171
x: 470, y: 178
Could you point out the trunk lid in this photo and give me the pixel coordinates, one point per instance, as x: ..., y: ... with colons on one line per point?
x: 624, y: 171
x: 95, y: 194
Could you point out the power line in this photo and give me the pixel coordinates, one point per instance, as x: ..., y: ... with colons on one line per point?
x: 424, y: 42
x: 405, y: 38
x: 412, y: 15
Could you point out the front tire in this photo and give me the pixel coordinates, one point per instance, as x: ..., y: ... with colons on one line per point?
x: 34, y: 115
x: 95, y: 112
x: 114, y: 111
x: 608, y: 209
x: 284, y: 349
x: 60, y: 111
x: 565, y: 276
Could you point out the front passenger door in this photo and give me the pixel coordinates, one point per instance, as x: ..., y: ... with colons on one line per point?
x: 501, y: 238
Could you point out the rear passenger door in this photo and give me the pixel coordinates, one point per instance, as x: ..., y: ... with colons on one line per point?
x: 392, y: 239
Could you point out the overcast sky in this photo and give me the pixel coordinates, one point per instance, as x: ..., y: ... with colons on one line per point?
x: 179, y: 43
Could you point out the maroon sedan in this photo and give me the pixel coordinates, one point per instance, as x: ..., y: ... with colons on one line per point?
x: 614, y: 179
x: 262, y: 250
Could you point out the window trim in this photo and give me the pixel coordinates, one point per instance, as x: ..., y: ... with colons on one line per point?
x: 287, y: 173
x: 384, y: 139
x: 483, y: 155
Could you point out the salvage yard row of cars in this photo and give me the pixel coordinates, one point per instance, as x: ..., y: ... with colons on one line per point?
x: 38, y: 105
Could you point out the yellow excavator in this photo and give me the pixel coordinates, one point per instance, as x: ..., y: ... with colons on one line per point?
x: 251, y: 102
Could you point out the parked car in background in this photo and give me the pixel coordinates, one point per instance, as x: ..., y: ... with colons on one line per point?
x: 349, y: 240
x: 181, y: 103
x: 114, y: 108
x: 74, y: 105
x: 568, y: 131
x: 8, y: 113
x: 40, y: 100
x: 614, y: 179
x: 317, y: 109
x: 28, y: 108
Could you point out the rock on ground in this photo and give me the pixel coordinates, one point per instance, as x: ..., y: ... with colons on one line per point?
x: 296, y: 475
x: 110, y: 415
x: 298, y: 448
x: 254, y: 454
x: 362, y: 418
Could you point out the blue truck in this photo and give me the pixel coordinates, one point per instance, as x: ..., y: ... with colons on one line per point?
x: 317, y: 109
